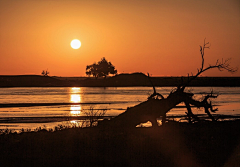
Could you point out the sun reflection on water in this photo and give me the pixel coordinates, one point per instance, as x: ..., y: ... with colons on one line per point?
x: 75, y: 110
x: 75, y: 97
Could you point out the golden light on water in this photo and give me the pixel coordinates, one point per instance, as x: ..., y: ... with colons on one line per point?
x: 75, y: 89
x: 73, y: 122
x: 75, y: 110
x: 75, y: 97
x: 77, y: 123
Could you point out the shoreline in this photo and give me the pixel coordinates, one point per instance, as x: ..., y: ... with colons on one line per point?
x: 72, y: 118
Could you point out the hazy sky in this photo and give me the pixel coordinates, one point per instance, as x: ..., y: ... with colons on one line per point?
x: 161, y: 37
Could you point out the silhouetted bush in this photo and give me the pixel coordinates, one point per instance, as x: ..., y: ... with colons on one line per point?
x: 102, y: 69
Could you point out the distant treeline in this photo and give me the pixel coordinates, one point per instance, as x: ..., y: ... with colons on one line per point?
x: 121, y: 80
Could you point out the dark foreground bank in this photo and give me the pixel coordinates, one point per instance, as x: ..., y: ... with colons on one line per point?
x: 174, y: 144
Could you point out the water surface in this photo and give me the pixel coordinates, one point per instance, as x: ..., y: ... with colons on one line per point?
x: 42, y: 103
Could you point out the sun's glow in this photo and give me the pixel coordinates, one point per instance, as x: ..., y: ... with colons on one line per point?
x: 75, y: 44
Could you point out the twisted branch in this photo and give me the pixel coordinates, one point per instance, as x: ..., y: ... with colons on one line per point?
x: 154, y: 90
x: 223, y: 65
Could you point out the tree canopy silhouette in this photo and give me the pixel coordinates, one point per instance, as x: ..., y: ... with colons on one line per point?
x: 101, y: 69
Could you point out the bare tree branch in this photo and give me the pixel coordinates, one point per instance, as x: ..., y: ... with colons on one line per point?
x: 223, y: 65
x: 154, y: 90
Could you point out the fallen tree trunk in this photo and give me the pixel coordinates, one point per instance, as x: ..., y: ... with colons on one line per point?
x: 155, y: 108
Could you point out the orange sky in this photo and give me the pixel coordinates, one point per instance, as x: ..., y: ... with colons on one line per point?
x: 157, y: 36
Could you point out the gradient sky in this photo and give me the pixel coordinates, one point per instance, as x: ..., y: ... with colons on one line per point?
x: 161, y: 37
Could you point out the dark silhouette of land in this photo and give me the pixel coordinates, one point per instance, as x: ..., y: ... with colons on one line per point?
x: 174, y: 144
x: 121, y: 80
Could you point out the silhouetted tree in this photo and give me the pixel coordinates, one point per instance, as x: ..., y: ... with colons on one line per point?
x: 45, y: 73
x: 102, y: 69
x: 92, y: 70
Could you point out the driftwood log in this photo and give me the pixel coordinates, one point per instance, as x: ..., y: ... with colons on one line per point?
x: 157, y: 106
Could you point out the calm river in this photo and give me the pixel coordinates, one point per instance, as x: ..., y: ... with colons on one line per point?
x: 25, y: 105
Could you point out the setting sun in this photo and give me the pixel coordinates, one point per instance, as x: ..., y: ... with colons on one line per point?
x: 75, y: 44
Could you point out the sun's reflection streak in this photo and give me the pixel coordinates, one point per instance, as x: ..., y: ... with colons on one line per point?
x: 77, y: 123
x: 75, y: 110
x: 75, y: 97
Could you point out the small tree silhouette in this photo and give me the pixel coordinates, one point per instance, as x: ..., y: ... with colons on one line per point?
x: 93, y: 116
x: 45, y: 73
x: 102, y: 69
